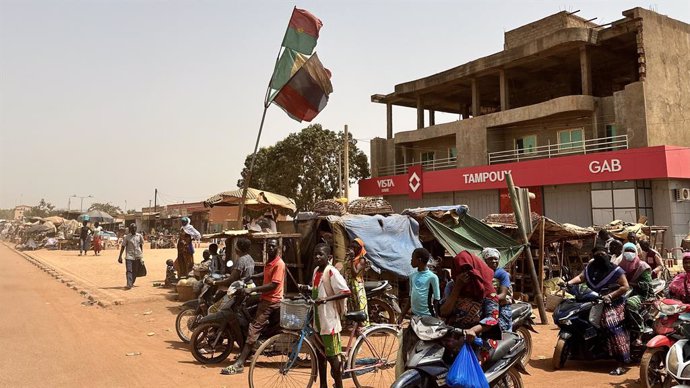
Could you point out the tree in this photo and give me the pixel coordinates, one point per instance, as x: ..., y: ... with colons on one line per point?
x: 6, y: 214
x: 304, y: 166
x: 106, y: 207
x: 43, y: 209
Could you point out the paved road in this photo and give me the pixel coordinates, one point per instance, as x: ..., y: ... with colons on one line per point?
x: 48, y: 337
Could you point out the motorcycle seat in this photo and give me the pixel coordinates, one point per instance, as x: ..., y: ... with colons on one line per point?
x: 520, y: 308
x: 503, y: 346
x: 356, y: 316
x: 375, y: 286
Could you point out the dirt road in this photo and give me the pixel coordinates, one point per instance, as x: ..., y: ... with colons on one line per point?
x: 48, y: 337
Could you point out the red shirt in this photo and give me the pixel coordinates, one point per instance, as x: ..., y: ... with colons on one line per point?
x: 274, y: 272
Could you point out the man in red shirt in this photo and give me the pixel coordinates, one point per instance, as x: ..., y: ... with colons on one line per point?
x: 271, y: 294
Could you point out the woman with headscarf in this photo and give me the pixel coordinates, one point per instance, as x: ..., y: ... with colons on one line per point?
x: 639, y: 275
x: 504, y: 290
x: 472, y: 304
x: 355, y: 266
x: 609, y: 280
x: 185, y: 248
x: 680, y: 285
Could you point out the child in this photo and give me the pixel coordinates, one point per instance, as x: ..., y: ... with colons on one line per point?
x: 425, y: 292
x: 170, y: 276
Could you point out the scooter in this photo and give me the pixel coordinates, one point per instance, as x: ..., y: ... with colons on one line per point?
x: 430, y: 359
x: 666, y: 327
x: 522, y: 326
x: 678, y: 357
x: 216, y: 334
x: 382, y: 305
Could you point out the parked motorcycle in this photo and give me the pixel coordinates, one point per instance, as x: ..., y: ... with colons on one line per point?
x: 430, y: 359
x: 217, y: 333
x: 678, y: 357
x: 193, y: 310
x: 666, y: 327
x: 522, y: 326
x: 382, y: 305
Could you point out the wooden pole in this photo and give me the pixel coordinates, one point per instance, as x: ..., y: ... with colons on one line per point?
x: 530, y: 261
x: 346, y: 163
x: 542, y: 254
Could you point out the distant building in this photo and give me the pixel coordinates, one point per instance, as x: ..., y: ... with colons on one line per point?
x: 20, y: 210
x: 592, y: 119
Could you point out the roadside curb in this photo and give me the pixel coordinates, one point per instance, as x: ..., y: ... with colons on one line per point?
x: 65, y: 279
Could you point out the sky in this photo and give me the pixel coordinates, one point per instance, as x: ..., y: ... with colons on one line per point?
x: 113, y: 99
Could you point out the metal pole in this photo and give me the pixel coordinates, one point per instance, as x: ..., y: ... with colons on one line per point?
x: 530, y: 261
x: 247, y: 180
x: 346, y: 163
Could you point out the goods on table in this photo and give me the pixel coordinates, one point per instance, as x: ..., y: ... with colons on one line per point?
x: 370, y: 206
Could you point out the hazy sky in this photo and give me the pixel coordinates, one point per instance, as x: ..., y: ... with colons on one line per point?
x: 116, y: 98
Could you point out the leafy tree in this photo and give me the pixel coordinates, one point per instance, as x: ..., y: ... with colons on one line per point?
x: 6, y: 214
x: 304, y: 166
x: 43, y: 209
x: 106, y: 207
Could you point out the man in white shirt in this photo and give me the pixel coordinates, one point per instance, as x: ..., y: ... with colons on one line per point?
x: 133, y: 245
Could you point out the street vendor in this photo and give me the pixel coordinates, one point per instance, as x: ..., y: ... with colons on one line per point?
x: 355, y: 266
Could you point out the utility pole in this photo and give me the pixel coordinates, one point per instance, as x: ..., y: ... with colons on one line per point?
x: 346, y: 162
x: 530, y: 261
x: 340, y: 175
x: 155, y: 200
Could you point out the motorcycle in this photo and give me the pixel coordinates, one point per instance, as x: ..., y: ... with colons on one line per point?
x: 522, y: 326
x: 193, y: 310
x: 430, y: 359
x: 667, y: 329
x: 678, y: 357
x: 382, y: 305
x: 217, y: 333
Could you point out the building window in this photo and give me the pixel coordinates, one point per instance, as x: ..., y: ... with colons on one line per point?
x: 570, y: 139
x: 452, y: 153
x: 427, y: 158
x: 526, y: 144
x: 627, y: 201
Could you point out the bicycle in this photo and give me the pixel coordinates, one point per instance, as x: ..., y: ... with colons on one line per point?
x: 292, y: 353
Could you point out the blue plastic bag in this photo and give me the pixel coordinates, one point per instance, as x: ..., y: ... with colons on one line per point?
x: 466, y: 371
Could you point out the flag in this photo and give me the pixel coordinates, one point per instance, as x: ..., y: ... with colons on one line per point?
x: 306, y: 93
x: 302, y: 32
x: 288, y: 64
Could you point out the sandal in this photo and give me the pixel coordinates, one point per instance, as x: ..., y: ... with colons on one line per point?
x: 232, y: 370
x: 619, y: 371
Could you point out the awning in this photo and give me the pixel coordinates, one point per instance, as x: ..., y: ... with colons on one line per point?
x: 257, y: 200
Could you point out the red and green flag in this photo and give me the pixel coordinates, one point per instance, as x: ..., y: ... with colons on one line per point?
x: 302, y: 32
x: 306, y: 93
x: 288, y: 64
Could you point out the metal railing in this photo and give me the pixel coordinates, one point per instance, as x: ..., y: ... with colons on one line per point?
x: 429, y: 165
x: 589, y: 146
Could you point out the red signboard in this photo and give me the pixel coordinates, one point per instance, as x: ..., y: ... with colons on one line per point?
x: 414, y: 182
x: 632, y: 164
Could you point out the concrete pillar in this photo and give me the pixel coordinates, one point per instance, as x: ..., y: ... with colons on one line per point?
x: 432, y: 117
x: 475, y: 98
x: 585, y: 71
x: 420, y: 113
x: 389, y: 121
x: 504, y: 89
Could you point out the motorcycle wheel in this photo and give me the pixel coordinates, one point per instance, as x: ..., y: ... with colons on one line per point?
x: 381, y: 312
x: 202, y: 340
x: 560, y: 354
x: 527, y: 336
x: 184, y: 324
x: 512, y: 379
x: 653, y: 369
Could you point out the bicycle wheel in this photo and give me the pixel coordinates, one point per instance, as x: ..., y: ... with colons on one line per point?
x: 278, y: 363
x: 373, y: 356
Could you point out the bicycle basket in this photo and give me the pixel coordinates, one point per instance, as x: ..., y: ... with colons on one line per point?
x: 293, y: 314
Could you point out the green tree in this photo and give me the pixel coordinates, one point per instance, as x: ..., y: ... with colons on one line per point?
x: 43, y: 209
x: 6, y: 214
x: 106, y: 207
x: 304, y: 166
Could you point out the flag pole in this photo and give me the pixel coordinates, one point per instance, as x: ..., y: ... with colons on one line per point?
x: 247, y: 180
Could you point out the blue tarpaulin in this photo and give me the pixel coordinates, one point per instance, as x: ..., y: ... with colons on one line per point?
x: 389, y: 241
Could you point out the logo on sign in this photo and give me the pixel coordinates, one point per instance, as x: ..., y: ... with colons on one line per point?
x: 487, y: 176
x: 414, y: 182
x: 597, y: 167
x: 385, y: 185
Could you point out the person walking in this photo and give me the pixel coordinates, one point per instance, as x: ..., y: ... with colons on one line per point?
x: 97, y: 244
x: 133, y: 247
x: 84, y: 233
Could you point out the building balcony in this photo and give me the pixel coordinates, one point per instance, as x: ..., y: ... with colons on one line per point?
x: 589, y: 146
x: 429, y: 165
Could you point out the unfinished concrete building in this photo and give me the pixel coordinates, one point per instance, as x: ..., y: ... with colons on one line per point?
x: 594, y: 119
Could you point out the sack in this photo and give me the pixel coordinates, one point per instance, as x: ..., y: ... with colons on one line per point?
x: 141, y: 271
x: 466, y: 371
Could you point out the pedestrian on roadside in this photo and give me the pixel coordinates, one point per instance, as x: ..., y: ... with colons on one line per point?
x: 355, y: 266
x: 185, y: 247
x: 133, y: 246
x: 84, y: 233
x: 271, y: 294
x: 425, y: 291
x: 97, y: 244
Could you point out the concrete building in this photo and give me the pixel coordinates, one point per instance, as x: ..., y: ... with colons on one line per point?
x: 594, y: 119
x: 19, y: 211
